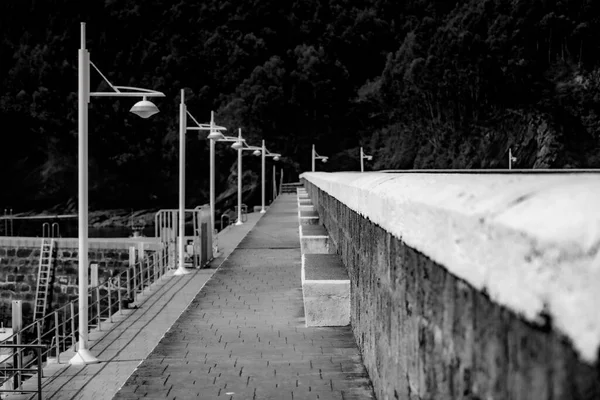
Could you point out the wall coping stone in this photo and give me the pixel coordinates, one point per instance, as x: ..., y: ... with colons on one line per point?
x: 531, y: 241
x: 150, y: 243
x: 323, y: 267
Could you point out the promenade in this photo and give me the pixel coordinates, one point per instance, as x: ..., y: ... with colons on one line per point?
x: 243, y: 336
x: 234, y: 332
x: 128, y: 340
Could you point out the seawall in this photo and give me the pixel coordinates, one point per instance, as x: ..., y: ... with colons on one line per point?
x: 478, y: 287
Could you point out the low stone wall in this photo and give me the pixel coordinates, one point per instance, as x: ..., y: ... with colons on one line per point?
x: 19, y: 264
x: 427, y: 334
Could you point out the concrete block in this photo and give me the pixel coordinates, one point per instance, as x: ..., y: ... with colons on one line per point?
x: 308, y: 217
x: 305, y: 207
x: 314, y: 240
x: 326, y: 290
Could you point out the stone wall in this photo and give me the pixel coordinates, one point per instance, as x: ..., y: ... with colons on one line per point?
x: 19, y: 264
x: 426, y: 334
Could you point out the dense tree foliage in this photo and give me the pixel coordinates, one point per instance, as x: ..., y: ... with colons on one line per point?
x: 418, y: 83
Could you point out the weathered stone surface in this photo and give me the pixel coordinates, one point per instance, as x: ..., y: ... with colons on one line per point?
x: 20, y: 265
x: 426, y: 334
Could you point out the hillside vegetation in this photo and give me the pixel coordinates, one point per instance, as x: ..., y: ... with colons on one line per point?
x: 418, y: 84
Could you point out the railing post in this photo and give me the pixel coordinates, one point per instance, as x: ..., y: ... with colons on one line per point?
x: 17, y: 325
x: 132, y: 265
x: 154, y: 269
x: 40, y: 372
x: 148, y: 270
x: 119, y: 297
x: 108, y: 285
x: 98, y: 306
x: 57, y: 335
x: 38, y: 326
x: 128, y: 273
x: 72, y: 306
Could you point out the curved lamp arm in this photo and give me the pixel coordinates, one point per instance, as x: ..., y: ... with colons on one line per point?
x: 131, y: 91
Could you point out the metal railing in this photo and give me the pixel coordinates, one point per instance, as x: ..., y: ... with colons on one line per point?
x: 57, y: 331
x: 19, y: 371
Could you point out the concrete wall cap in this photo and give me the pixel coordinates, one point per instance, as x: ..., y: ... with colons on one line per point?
x: 532, y: 241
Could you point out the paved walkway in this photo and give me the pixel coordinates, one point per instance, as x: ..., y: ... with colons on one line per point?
x: 243, y: 336
x: 122, y: 345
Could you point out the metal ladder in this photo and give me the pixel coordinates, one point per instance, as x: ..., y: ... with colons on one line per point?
x: 44, y: 276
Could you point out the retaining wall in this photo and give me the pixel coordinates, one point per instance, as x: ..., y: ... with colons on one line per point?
x: 428, y: 330
x: 19, y: 264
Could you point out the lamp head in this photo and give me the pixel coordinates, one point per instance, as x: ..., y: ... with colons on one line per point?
x: 214, y: 135
x: 324, y: 159
x: 256, y: 152
x: 276, y: 158
x: 237, y: 145
x: 144, y: 108
x: 369, y: 158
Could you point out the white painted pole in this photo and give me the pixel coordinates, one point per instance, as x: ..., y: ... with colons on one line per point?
x: 182, y: 130
x: 83, y: 355
x: 212, y: 176
x: 262, y: 210
x: 281, y: 180
x: 239, y: 219
x: 274, y: 183
x: 509, y: 159
x: 313, y: 158
x: 362, y: 156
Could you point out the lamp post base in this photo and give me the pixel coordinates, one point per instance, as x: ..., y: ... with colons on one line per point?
x: 239, y: 223
x: 181, y: 271
x: 263, y: 211
x: 83, y: 357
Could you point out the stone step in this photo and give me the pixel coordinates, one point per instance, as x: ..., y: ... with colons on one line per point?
x: 314, y: 239
x: 325, y: 290
x: 308, y: 217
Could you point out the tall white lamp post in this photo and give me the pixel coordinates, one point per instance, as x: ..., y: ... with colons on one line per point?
x: 214, y: 133
x: 265, y: 153
x: 144, y: 109
x: 215, y: 136
x: 511, y: 159
x: 363, y: 156
x: 315, y: 156
x: 239, y: 145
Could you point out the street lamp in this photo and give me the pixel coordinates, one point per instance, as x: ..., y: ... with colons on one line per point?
x: 265, y: 153
x: 362, y: 157
x: 144, y: 109
x: 315, y: 156
x: 183, y: 128
x: 240, y: 147
x: 511, y: 159
x: 215, y: 136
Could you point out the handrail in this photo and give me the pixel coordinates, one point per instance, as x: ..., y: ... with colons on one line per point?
x: 228, y: 220
x: 45, y: 229
x: 18, y: 372
x: 55, y: 234
x: 57, y: 331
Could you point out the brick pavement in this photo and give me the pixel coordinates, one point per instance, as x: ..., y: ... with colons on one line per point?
x: 122, y: 345
x: 243, y: 336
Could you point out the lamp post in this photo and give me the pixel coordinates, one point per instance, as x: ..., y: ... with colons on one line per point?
x: 144, y: 109
x: 362, y: 157
x: 315, y: 156
x: 214, y: 132
x: 265, y: 154
x: 511, y: 159
x: 239, y: 145
x: 182, y: 131
x: 215, y: 136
